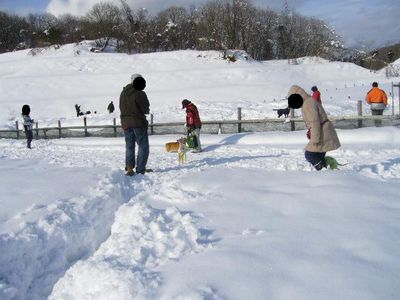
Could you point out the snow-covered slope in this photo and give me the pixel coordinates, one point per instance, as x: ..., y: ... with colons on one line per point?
x: 54, y: 80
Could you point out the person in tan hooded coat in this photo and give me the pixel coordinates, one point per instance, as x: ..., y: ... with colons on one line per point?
x: 322, y: 134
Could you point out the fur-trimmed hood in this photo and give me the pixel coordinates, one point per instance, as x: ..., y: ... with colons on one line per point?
x: 295, y: 89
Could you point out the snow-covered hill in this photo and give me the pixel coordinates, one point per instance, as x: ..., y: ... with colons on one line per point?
x: 53, y: 80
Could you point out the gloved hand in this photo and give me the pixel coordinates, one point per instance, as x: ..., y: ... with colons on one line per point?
x: 189, y: 129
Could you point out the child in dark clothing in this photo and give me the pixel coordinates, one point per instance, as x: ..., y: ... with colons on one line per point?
x: 28, y: 122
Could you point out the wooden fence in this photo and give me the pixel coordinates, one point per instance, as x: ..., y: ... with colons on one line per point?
x: 219, y: 126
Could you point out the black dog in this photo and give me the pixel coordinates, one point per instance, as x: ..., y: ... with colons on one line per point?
x: 283, y: 111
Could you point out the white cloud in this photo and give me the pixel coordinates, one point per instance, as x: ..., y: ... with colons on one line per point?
x: 74, y: 7
x: 81, y: 7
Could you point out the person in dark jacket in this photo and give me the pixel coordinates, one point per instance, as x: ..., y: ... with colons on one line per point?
x: 78, y: 110
x: 134, y: 107
x: 28, y: 122
x: 111, y: 107
x: 193, y: 122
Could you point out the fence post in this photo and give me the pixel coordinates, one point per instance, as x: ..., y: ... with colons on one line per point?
x: 17, y: 128
x: 239, y: 119
x: 392, y: 98
x: 59, y: 129
x: 398, y: 85
x: 115, y: 127
x: 292, y: 123
x: 151, y: 124
x: 37, y: 130
x: 85, y: 125
x: 359, y: 113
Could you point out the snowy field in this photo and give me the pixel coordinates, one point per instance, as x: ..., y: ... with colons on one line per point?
x: 248, y: 218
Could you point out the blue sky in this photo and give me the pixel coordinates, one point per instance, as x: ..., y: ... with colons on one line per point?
x: 373, y: 23
x: 24, y: 6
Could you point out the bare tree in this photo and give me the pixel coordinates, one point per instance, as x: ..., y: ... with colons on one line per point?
x: 10, y: 33
x: 210, y: 31
x: 217, y: 24
x: 71, y: 28
x: 261, y: 34
x: 105, y: 20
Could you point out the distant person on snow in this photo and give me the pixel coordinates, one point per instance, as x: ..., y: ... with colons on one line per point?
x: 111, y: 107
x: 134, y: 107
x: 28, y: 124
x: 78, y: 110
x: 316, y: 95
x: 193, y: 122
x: 377, y: 100
x: 321, y: 133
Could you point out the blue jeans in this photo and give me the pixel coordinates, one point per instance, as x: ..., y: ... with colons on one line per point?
x: 197, y: 132
x: 317, y: 159
x: 137, y: 136
x: 29, y: 137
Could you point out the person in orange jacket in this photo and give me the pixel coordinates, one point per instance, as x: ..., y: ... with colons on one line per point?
x: 377, y: 100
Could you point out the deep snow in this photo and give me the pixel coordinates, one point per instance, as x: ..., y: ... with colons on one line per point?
x: 247, y: 218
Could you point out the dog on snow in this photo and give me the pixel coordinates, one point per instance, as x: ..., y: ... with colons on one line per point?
x: 283, y: 111
x: 180, y: 147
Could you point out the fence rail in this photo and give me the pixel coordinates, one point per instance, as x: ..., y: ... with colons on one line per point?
x: 219, y: 126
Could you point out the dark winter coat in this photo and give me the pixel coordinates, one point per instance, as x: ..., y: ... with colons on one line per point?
x: 110, y: 107
x: 28, y: 122
x: 323, y: 137
x: 133, y: 105
x: 192, y: 116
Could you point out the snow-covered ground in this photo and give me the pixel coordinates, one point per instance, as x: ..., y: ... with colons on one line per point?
x: 248, y: 218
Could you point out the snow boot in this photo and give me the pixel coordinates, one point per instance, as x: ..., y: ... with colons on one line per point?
x: 129, y: 171
x: 145, y: 171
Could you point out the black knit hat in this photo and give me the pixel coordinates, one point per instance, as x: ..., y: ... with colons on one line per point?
x: 26, y: 110
x: 314, y: 88
x: 185, y: 102
x: 139, y: 83
x: 295, y: 101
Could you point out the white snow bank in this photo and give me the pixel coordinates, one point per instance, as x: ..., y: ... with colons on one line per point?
x: 125, y: 266
x: 21, y: 203
x: 36, y: 254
